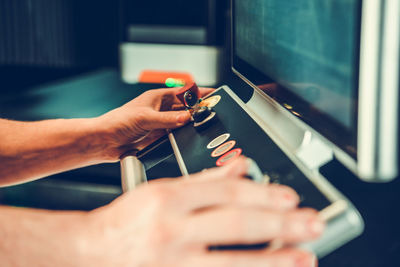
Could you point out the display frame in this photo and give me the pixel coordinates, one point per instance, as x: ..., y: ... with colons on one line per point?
x: 364, y: 150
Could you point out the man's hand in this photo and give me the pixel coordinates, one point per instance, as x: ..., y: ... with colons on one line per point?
x: 143, y: 120
x: 52, y: 146
x: 173, y: 222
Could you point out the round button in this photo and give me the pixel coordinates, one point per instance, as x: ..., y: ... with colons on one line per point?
x: 231, y: 155
x: 222, y: 149
x: 211, y: 101
x: 217, y: 141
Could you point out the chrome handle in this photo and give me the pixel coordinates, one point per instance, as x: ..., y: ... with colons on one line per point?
x: 132, y: 173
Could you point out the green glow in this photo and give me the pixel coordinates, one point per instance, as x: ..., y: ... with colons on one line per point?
x: 171, y: 82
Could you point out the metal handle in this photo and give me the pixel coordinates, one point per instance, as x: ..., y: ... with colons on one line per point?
x: 132, y: 173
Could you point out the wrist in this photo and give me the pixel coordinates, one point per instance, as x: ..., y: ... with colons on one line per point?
x: 102, y: 140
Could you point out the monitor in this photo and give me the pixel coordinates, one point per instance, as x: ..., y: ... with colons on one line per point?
x: 325, y: 78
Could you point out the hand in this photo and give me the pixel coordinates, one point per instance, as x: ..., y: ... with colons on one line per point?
x: 143, y: 120
x: 172, y: 222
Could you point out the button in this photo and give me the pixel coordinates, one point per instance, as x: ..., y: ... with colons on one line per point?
x: 217, y: 141
x: 211, y: 101
x: 222, y: 149
x: 231, y: 155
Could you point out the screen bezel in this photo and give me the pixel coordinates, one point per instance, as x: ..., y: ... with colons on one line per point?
x: 378, y: 99
x: 344, y: 138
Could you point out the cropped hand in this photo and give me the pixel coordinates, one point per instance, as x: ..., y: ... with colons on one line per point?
x: 173, y: 222
x: 143, y: 120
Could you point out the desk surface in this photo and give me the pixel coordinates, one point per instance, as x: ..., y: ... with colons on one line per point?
x: 96, y: 93
x: 87, y: 95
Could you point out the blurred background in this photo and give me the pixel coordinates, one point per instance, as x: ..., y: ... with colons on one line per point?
x: 71, y: 58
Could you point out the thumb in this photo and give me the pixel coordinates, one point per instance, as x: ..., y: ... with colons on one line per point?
x: 166, y: 119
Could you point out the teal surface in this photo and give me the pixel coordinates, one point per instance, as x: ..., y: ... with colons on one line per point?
x: 84, y: 96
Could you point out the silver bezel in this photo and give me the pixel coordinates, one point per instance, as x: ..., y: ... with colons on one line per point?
x: 378, y: 97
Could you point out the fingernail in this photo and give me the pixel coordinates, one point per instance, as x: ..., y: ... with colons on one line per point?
x: 288, y: 200
x: 288, y: 196
x: 315, y: 226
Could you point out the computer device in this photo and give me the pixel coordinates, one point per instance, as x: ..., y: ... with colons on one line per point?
x: 309, y: 64
x: 325, y: 75
x: 235, y: 130
x: 230, y: 129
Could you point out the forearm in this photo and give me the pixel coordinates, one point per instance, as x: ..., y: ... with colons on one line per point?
x: 30, y: 150
x: 42, y: 238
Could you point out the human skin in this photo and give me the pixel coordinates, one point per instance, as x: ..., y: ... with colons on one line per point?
x: 30, y: 150
x: 170, y: 222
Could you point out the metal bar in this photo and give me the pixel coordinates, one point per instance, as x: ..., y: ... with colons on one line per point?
x: 132, y: 173
x: 178, y: 155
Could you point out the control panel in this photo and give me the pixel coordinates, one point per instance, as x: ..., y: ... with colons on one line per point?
x: 232, y: 132
x: 222, y: 128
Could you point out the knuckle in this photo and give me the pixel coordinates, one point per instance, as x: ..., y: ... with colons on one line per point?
x: 276, y: 224
x: 161, y: 235
x: 233, y: 189
x: 229, y: 172
x: 237, y: 222
x: 160, y: 195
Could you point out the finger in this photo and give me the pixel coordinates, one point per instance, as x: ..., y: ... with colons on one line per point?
x: 227, y: 186
x: 179, y: 106
x: 237, y: 168
x: 232, y: 225
x: 204, y: 91
x: 162, y: 98
x: 281, y: 258
x: 169, y: 94
x: 238, y: 192
x: 165, y: 120
x: 158, y: 94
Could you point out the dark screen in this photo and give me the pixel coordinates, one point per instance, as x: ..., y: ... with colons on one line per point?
x: 308, y: 49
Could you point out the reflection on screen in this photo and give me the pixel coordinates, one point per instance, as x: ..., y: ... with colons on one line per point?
x: 308, y: 46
